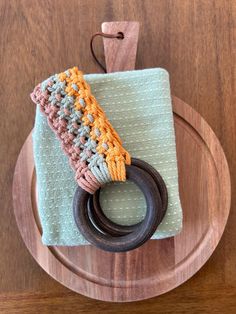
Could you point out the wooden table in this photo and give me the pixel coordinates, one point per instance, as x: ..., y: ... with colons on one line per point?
x: 195, y: 42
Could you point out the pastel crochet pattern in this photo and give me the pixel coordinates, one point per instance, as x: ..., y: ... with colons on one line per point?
x: 93, y: 146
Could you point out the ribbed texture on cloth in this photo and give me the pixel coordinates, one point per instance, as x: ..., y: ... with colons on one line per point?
x: 138, y: 105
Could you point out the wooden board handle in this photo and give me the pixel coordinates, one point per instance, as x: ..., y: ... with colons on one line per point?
x: 120, y: 54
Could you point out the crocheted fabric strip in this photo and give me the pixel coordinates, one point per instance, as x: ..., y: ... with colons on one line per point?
x: 94, y: 148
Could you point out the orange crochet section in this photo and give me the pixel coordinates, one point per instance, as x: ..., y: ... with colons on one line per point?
x: 108, y: 141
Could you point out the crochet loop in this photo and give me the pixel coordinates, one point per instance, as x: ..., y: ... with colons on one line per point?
x: 94, y: 147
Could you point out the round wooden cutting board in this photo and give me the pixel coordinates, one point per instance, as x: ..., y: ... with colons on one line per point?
x: 159, y: 265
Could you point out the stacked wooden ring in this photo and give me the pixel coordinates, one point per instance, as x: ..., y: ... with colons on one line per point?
x: 100, y: 231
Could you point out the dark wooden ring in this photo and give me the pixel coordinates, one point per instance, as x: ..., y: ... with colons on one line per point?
x: 108, y: 226
x: 132, y: 240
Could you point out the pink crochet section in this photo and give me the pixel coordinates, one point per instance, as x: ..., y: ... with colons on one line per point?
x: 84, y: 177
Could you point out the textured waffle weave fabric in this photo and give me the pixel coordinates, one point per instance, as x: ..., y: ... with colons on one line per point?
x: 138, y: 105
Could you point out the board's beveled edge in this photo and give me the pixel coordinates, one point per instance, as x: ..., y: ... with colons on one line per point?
x: 90, y: 289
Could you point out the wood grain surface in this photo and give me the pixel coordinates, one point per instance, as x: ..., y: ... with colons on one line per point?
x: 195, y: 42
x: 158, y: 266
x: 120, y: 55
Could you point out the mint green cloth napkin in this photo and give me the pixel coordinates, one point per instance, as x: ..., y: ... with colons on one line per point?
x: 138, y: 104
